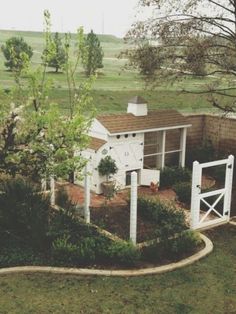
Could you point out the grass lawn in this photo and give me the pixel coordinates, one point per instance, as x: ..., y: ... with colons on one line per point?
x: 209, y: 286
x: 114, y: 86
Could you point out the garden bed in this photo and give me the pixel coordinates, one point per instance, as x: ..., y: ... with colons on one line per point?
x: 32, y: 233
x: 116, y: 219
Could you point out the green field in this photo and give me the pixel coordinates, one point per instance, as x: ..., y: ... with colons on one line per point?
x: 114, y: 85
x: 208, y: 286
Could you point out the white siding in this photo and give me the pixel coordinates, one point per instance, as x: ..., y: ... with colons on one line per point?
x: 98, y: 130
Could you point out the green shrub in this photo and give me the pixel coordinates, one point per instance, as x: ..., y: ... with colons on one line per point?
x: 107, y: 166
x: 169, y: 219
x: 124, y: 253
x: 185, y: 243
x: 203, y: 153
x: 65, y: 222
x: 153, y: 252
x: 91, y: 250
x: 18, y: 256
x: 183, y: 191
x: 82, y: 242
x: 64, y: 252
x: 169, y: 176
x: 24, y: 212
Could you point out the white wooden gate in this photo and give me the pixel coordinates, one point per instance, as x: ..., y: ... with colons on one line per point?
x: 212, y: 216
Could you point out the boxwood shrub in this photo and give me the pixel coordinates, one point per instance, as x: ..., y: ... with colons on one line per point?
x: 169, y: 219
x: 124, y: 253
x: 183, y: 192
x: 185, y: 243
x: 169, y: 176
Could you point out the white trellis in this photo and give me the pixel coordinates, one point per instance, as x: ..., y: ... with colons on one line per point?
x: 207, y: 219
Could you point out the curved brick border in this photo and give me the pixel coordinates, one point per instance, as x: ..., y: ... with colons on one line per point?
x: 120, y: 273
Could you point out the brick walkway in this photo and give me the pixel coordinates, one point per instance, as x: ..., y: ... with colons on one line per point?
x: 76, y: 194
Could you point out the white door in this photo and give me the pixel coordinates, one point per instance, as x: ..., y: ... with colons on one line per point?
x: 128, y: 155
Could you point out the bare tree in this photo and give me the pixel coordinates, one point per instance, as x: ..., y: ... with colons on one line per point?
x: 193, y: 37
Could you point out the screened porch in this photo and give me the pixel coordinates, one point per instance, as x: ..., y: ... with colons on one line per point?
x: 165, y: 148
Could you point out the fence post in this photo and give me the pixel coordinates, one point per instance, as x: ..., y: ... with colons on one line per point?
x: 44, y: 184
x: 86, y: 195
x: 228, y: 185
x: 133, y: 207
x: 195, y: 201
x: 52, y: 189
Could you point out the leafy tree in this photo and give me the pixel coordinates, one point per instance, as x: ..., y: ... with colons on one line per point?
x: 57, y: 58
x: 36, y: 139
x: 193, y: 38
x: 92, y: 54
x: 146, y: 59
x: 17, y: 52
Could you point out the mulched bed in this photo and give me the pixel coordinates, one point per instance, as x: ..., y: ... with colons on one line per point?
x: 117, y: 221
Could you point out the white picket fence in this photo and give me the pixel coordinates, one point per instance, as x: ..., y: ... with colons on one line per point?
x: 212, y: 216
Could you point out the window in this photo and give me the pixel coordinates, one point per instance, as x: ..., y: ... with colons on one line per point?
x: 134, y: 134
x: 153, y: 150
x: 162, y: 148
x: 126, y: 135
x: 117, y: 136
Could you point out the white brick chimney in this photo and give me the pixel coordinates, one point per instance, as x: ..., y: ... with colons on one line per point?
x: 137, y: 106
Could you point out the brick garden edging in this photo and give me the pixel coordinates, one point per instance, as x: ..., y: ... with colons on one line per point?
x: 118, y: 273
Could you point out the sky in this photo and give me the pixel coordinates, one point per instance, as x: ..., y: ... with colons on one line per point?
x: 103, y: 16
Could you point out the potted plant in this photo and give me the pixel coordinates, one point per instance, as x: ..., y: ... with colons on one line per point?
x: 107, y: 166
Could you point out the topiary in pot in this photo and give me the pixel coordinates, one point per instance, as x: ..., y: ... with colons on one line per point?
x: 107, y: 166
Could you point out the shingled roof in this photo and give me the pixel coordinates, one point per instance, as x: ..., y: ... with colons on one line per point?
x: 155, y: 119
x: 96, y: 143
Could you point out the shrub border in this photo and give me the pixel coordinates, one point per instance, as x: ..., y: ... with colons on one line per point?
x: 116, y: 273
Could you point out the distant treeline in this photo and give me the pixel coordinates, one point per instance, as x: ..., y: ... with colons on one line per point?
x: 25, y: 34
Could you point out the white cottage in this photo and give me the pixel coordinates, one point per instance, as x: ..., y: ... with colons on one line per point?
x: 139, y: 140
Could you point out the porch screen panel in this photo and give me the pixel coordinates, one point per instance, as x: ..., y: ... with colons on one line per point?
x: 152, y: 150
x: 173, y: 140
x: 173, y: 149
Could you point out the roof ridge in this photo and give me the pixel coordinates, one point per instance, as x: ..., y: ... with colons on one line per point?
x: 129, y: 113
